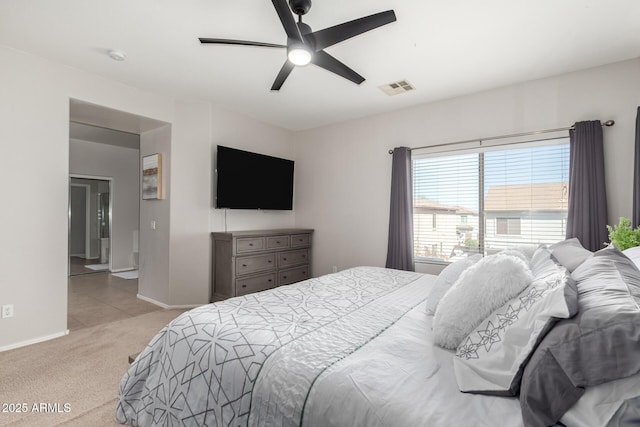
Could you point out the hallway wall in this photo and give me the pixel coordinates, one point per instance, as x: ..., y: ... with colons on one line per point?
x: 121, y: 164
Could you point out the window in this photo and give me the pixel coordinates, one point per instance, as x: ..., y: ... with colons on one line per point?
x: 508, y: 226
x: 489, y: 200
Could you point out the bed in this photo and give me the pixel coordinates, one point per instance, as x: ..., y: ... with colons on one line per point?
x: 356, y: 348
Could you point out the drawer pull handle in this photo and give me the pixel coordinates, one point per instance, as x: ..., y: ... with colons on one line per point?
x: 250, y: 244
x: 269, y: 261
x: 244, y: 265
x: 284, y: 259
x: 269, y: 280
x: 244, y: 286
x: 277, y: 242
x: 284, y: 277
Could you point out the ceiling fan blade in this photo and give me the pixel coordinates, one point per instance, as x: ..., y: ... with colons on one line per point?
x: 324, y: 60
x: 282, y: 75
x: 332, y: 35
x: 205, y: 40
x: 286, y: 18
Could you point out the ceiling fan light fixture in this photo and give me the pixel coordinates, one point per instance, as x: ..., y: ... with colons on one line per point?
x: 299, y: 55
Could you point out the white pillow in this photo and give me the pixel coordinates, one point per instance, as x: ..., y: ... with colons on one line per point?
x: 634, y: 255
x: 601, y: 404
x: 491, y: 358
x: 446, y: 278
x: 481, y: 289
x: 525, y: 251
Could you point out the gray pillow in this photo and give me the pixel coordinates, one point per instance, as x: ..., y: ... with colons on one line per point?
x: 601, y: 343
x: 570, y: 253
x: 446, y: 278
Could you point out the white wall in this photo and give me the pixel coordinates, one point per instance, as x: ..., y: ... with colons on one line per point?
x: 154, y: 258
x: 34, y: 107
x: 343, y: 184
x: 122, y: 165
x: 342, y: 174
x: 233, y: 130
x: 175, y: 270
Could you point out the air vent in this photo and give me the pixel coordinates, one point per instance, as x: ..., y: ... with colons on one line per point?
x: 396, y: 88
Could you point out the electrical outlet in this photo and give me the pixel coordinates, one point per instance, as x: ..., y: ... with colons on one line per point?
x: 7, y: 311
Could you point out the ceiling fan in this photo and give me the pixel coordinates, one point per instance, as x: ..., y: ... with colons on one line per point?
x: 305, y: 46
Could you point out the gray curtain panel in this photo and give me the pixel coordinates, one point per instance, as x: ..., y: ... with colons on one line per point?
x: 400, y: 247
x: 587, y: 217
x: 635, y: 219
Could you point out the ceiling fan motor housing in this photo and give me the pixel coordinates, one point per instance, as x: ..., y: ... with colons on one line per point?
x: 300, y: 7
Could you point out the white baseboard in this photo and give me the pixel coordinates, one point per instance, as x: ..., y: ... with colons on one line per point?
x: 34, y: 341
x: 120, y: 270
x: 165, y: 306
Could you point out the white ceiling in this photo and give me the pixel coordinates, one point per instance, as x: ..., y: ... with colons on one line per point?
x: 445, y: 48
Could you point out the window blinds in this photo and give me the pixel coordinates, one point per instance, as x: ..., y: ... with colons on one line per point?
x: 486, y: 201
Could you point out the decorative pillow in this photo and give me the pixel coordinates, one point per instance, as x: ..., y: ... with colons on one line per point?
x: 570, y: 253
x: 446, y: 278
x: 525, y: 251
x: 516, y: 253
x: 481, y: 288
x: 600, y: 344
x: 491, y: 359
x: 540, y: 260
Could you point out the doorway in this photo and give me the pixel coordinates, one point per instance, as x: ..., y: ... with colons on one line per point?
x: 89, y: 224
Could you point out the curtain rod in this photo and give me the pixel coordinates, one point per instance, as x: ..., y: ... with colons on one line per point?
x: 608, y: 123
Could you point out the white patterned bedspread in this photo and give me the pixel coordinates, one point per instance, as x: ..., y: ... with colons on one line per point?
x: 253, y: 360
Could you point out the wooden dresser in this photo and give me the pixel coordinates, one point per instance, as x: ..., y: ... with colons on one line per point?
x: 252, y: 261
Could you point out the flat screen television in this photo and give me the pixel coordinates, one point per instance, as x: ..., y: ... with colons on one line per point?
x: 246, y: 180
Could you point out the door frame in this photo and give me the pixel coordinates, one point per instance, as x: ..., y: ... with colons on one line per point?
x: 87, y: 213
x: 88, y: 248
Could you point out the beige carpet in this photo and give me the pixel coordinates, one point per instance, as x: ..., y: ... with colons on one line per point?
x: 81, y: 371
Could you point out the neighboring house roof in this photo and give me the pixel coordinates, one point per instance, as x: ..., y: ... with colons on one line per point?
x: 428, y: 206
x: 548, y: 196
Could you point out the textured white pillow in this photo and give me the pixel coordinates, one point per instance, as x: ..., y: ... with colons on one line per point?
x: 491, y: 358
x: 525, y: 251
x: 446, y: 278
x: 481, y: 289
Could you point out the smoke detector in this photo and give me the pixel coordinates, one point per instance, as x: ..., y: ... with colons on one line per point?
x: 397, y: 88
x: 117, y: 55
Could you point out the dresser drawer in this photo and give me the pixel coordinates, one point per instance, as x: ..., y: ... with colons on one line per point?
x: 255, y: 284
x: 249, y: 244
x: 298, y: 240
x: 246, y: 261
x: 293, y: 275
x: 277, y: 242
x: 291, y: 258
x: 253, y: 264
